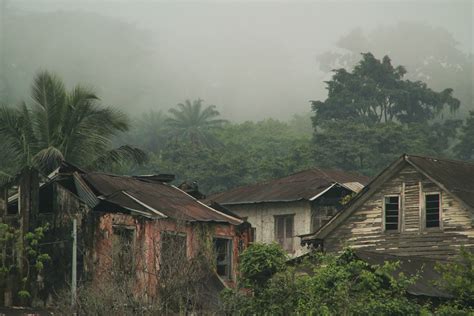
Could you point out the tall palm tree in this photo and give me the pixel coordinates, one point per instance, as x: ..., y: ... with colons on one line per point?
x: 63, y: 125
x: 192, y: 122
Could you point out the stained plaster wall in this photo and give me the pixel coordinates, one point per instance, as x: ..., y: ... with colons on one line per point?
x: 262, y: 217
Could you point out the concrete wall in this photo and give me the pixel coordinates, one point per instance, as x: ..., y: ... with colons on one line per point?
x: 261, y: 217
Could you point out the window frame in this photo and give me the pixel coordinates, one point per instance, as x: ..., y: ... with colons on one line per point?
x: 117, y: 235
x: 230, y: 254
x: 275, y: 231
x: 399, y: 226
x: 440, y: 210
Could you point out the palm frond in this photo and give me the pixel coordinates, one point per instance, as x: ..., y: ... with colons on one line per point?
x: 48, y: 159
x: 120, y: 155
x: 5, y: 178
x: 49, y: 96
x: 17, y: 134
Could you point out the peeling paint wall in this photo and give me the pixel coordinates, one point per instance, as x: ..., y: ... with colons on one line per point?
x: 262, y: 217
x: 364, y: 228
x: 147, y: 243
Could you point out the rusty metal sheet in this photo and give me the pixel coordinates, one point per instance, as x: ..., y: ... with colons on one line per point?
x: 150, y: 196
x: 299, y: 186
x: 456, y: 176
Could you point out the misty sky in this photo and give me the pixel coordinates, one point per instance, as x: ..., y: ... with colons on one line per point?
x: 251, y: 59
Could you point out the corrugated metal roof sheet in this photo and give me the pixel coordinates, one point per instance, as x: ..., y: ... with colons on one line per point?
x: 303, y: 185
x: 456, y: 176
x: 151, y: 196
x: 410, y: 266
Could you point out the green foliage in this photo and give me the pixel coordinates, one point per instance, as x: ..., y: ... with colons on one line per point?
x: 63, y: 125
x: 259, y: 262
x: 372, y: 115
x: 334, y: 285
x: 244, y: 153
x: 28, y: 252
x: 439, y: 61
x: 465, y: 148
x: 24, y: 294
x: 192, y: 123
x: 458, y: 279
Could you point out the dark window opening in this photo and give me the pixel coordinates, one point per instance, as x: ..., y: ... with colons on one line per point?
x: 432, y: 210
x: 284, y: 231
x: 123, y: 249
x: 392, y: 212
x: 223, y: 249
x: 321, y: 215
x: 46, y: 198
x: 12, y: 208
x: 253, y: 234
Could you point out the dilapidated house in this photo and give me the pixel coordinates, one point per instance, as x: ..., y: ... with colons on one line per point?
x: 140, y: 227
x: 416, y: 207
x: 281, y: 209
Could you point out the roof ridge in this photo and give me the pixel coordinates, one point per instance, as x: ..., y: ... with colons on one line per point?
x: 466, y: 162
x: 263, y: 182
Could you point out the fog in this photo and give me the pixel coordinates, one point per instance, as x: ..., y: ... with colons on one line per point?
x: 251, y: 59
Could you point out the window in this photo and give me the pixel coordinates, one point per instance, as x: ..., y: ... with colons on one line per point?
x: 392, y: 212
x: 253, y: 234
x: 320, y: 215
x: 172, y: 254
x: 284, y: 231
x: 432, y: 210
x: 223, y: 250
x: 123, y: 248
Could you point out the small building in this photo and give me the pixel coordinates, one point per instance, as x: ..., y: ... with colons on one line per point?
x: 416, y: 207
x: 281, y: 209
x: 138, y: 227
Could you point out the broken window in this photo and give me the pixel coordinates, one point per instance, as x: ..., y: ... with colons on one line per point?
x: 284, y: 231
x: 223, y: 250
x: 123, y: 248
x: 253, y: 234
x: 46, y: 199
x: 173, y: 253
x: 392, y: 212
x: 432, y: 210
x: 320, y: 215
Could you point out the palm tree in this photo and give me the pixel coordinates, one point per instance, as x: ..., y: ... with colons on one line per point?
x: 192, y: 123
x: 63, y: 125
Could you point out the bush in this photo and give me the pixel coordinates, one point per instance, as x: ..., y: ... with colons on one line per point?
x: 340, y: 285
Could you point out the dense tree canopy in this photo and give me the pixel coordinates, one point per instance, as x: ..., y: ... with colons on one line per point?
x: 430, y: 54
x: 465, y: 148
x: 376, y: 92
x: 372, y: 115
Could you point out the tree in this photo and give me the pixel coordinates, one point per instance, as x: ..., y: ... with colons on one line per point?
x: 439, y: 61
x: 372, y: 115
x: 375, y: 92
x: 191, y: 122
x: 465, y: 148
x: 148, y: 131
x: 63, y: 125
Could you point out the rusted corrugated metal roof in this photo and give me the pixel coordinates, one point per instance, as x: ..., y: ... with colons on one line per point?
x: 457, y: 177
x: 424, y: 268
x: 303, y: 185
x: 152, y: 198
x: 454, y: 175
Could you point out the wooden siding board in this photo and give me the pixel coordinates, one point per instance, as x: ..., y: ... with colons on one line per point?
x: 364, y: 228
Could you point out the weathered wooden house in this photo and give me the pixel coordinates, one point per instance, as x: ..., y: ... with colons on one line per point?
x: 141, y: 226
x: 281, y: 209
x: 417, y: 207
